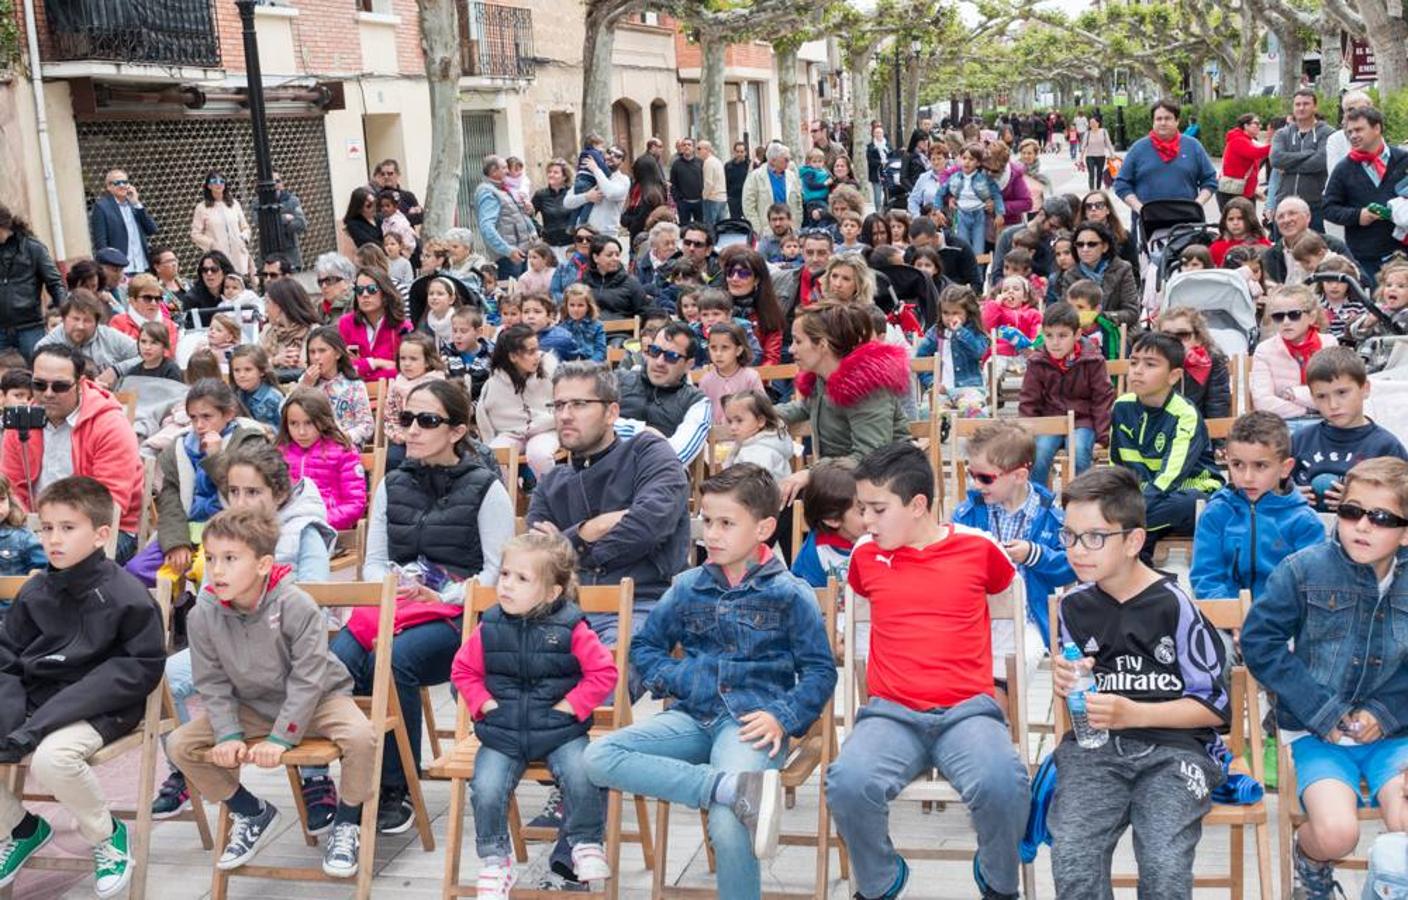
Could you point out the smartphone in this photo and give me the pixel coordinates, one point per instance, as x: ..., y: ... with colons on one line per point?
x: 1380, y: 210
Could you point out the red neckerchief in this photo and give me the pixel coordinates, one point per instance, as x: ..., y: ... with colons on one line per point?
x: 1197, y: 364
x: 1167, y: 149
x: 1301, y: 351
x: 1372, y: 157
x: 1065, y: 364
x: 808, y: 284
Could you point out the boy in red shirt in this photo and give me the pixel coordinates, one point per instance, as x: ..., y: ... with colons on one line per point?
x: 930, y: 678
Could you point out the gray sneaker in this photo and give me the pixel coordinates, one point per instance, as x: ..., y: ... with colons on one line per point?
x: 758, y: 805
x: 1314, y: 880
x: 248, y: 835
x: 340, y: 855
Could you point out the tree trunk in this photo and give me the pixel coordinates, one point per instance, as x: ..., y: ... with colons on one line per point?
x: 596, y: 72
x: 785, y: 56
x: 711, y: 89
x: 1331, y: 62
x: 861, y: 113
x: 1290, y: 62
x: 439, y: 38
x: 1388, y: 34
x: 912, y: 71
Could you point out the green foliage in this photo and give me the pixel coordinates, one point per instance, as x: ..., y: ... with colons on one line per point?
x: 1220, y: 116
x: 1395, y: 109
x: 9, y: 35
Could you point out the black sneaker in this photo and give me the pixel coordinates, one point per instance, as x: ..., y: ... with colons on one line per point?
x: 552, y: 815
x: 1313, y: 880
x: 172, y: 797
x: 320, y: 799
x: 395, y: 813
x: 897, y: 889
x: 758, y: 805
x: 248, y: 835
x: 987, y: 892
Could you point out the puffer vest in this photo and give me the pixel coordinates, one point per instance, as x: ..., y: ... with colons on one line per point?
x: 662, y: 408
x: 514, y: 227
x: 433, y: 511
x: 529, y: 667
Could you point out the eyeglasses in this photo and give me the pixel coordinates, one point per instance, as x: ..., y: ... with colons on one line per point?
x: 987, y: 478
x: 1089, y: 243
x: 152, y: 298
x: 1353, y: 512
x: 119, y: 182
x: 691, y: 242
x: 576, y: 406
x: 1090, y: 540
x: 1291, y: 315
x: 330, y: 279
x: 41, y: 386
x: 670, y: 356
x: 1095, y: 204
x: 271, y: 276
x: 582, y: 239
x: 1181, y: 335
x: 738, y: 272
x: 206, y: 270
x: 363, y: 290
x: 426, y: 421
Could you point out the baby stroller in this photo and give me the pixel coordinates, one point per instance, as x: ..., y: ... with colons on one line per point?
x: 1166, y: 228
x: 1224, y: 298
x: 733, y: 231
x: 1380, y: 353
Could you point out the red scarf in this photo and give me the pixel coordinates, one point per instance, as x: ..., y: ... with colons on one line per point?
x: 1167, y: 149
x: 1197, y: 364
x: 1371, y: 157
x: 1064, y: 365
x: 1301, y: 351
x: 808, y: 284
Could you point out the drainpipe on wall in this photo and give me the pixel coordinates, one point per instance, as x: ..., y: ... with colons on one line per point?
x: 41, y: 118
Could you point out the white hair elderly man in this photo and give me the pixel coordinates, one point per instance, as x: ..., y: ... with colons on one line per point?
x: 776, y: 182
x: 1293, y: 217
x: 654, y: 263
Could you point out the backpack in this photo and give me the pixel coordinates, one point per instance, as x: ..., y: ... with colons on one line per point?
x: 1387, y: 878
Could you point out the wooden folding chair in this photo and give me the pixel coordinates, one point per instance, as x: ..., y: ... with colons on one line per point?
x: 1244, y: 738
x: 614, y: 355
x: 777, y: 372
x: 145, y: 740
x: 128, y: 399
x: 458, y: 764
x: 925, y: 433
x: 932, y: 787
x: 1183, y: 544
x: 812, y: 754
x: 1057, y: 426
x: 350, y: 550
x: 144, y: 520
x: 1240, y: 374
x: 374, y: 464
x: 629, y: 327
x: 1118, y: 370
x: 321, y: 751
x: 927, y: 365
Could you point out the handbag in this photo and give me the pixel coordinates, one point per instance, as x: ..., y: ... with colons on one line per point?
x: 1229, y: 185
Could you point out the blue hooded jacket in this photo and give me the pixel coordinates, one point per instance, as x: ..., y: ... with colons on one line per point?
x: 1046, y: 569
x: 1238, y: 542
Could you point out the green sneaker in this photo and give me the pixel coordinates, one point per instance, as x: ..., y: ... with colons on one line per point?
x: 112, y: 862
x: 15, y: 852
x: 1268, y: 761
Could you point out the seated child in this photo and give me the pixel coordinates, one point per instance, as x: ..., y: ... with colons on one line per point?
x: 649, y: 327
x: 1159, y: 436
x: 1195, y: 258
x: 1309, y: 251
x: 790, y: 252
x: 1293, y: 333
x: 537, y: 278
x: 763, y: 639
x: 1021, y: 513
x: 64, y: 707
x: 960, y: 341
x: 1340, y: 310
x: 1161, y: 673
x: 256, y: 384
x: 1066, y: 374
x: 259, y: 649
x: 1063, y: 252
x: 1088, y: 300
x: 1258, y: 519
x: 440, y: 306
x: 222, y: 337
x: 531, y: 674
x: 1328, y: 448
x: 1206, y: 382
x: 393, y: 221
x: 510, y: 313
x: 728, y: 371
x: 153, y: 355
x: 1392, y: 297
x: 1018, y: 262
x: 1245, y: 259
x: 833, y: 523
x: 758, y: 432
x: 1013, y: 320
x: 929, y: 674
x: 848, y: 225
x: 540, y: 314
x: 20, y: 549
x: 580, y: 321
x: 687, y: 307
x: 716, y: 308
x: 1315, y: 638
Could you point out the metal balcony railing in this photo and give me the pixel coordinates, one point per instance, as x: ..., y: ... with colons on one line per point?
x: 153, y: 32
x: 496, y: 41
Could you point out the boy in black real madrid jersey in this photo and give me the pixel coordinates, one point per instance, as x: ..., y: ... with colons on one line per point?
x: 1159, y: 667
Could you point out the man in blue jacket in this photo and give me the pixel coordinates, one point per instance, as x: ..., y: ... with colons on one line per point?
x: 119, y: 220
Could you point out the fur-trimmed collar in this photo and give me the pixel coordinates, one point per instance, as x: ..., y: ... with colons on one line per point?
x: 873, y: 366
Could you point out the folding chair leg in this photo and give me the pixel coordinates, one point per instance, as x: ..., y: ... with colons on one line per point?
x: 1029, y: 881
x: 220, y: 879
x: 613, y: 842
x: 823, y: 845
x: 454, y: 840
x: 1263, y: 859
x: 366, y: 851
x: 662, y: 844
x: 647, y: 849
x: 427, y: 711
x: 1237, y: 868
x: 844, y: 859
x: 708, y: 844
x: 408, y: 766
x: 142, y: 845
x: 199, y: 814
x: 296, y: 785
x: 515, y: 830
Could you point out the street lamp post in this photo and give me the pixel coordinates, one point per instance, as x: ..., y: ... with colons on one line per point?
x: 899, y: 101
x: 267, y: 208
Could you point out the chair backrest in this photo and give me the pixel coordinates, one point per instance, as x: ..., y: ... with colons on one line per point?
x: 1118, y: 370
x: 507, y: 458
x: 144, y: 520
x: 110, y: 548
x: 777, y: 372
x: 10, y: 586
x: 1058, y: 426
x: 928, y: 365
x: 1218, y: 429
x: 382, y: 596
x: 614, y: 355
x: 799, y: 527
x: 926, y: 432
x: 621, y: 326
x: 374, y: 463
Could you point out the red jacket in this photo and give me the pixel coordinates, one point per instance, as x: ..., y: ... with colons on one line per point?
x: 385, y: 344
x: 104, y: 448
x: 1239, y: 155
x: 124, y: 324
x: 1083, y: 388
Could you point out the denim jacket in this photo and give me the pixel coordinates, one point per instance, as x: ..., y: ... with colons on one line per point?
x: 1351, y: 647
x: 760, y: 644
x: 20, y: 552
x: 969, y: 346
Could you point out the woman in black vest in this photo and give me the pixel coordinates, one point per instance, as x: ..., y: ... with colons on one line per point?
x: 439, y: 520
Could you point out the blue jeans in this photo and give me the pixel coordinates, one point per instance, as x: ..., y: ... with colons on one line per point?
x: 510, y: 269
x: 877, y: 190
x: 715, y: 211
x: 1047, y: 445
x: 420, y: 657
x: 679, y: 759
x: 126, y: 547
x: 972, y: 226
x: 495, y: 777
x: 21, y: 339
x: 689, y: 211
x: 890, y: 746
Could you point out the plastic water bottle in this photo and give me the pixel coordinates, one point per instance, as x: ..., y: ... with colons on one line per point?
x: 1086, y: 736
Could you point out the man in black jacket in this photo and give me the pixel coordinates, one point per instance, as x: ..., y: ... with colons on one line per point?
x: 735, y: 173
x: 25, y: 269
x: 687, y: 184
x: 960, y: 263
x: 79, y: 653
x: 1361, y: 185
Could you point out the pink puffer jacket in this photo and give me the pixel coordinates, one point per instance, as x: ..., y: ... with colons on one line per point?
x: 338, y: 473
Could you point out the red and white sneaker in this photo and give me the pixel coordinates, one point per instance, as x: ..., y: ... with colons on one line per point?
x: 496, y: 879
x: 589, y: 862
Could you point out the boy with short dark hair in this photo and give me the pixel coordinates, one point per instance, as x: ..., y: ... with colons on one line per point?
x: 1088, y: 300
x: 929, y: 674
x: 716, y: 308
x: 1161, y: 673
x: 541, y: 314
x: 1326, y: 637
x: 1325, y: 450
x: 1252, y: 524
x: 1160, y: 437
x: 15, y: 387
x: 834, y: 523
x: 82, y: 647
x: 1018, y: 261
x: 757, y: 667
x: 1067, y: 373
x: 848, y: 226
x: 790, y: 256
x: 260, y: 657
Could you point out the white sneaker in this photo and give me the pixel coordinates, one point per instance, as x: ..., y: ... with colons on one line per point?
x: 496, y: 879
x: 589, y: 862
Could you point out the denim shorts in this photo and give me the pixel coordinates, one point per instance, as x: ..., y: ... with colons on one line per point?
x: 1377, y: 763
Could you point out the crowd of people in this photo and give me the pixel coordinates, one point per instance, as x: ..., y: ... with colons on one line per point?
x: 617, y: 330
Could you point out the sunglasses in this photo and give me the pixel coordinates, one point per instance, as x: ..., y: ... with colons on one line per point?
x: 205, y: 270
x: 363, y: 290
x: 738, y: 272
x: 215, y: 181
x: 120, y: 182
x: 582, y: 239
x: 1349, y: 512
x: 41, y: 386
x: 426, y: 421
x: 1181, y: 335
x: 670, y: 356
x: 153, y: 298
x: 1095, y: 204
x: 330, y: 279
x: 1090, y: 243
x: 987, y: 478
x: 691, y: 242
x: 271, y: 276
x: 1289, y: 315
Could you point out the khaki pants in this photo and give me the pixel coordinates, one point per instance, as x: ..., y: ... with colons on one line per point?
x: 60, y: 765
x: 337, y: 718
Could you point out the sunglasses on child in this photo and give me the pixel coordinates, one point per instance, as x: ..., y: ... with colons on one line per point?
x: 670, y: 356
x: 1292, y: 315
x: 1379, y: 518
x: 987, y: 478
x: 426, y: 421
